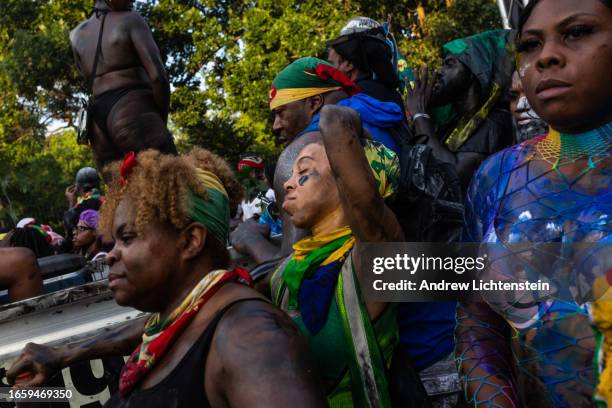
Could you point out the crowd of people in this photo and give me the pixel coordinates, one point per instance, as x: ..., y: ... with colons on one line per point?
x: 517, y: 129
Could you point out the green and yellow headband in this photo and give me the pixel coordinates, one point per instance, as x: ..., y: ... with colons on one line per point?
x: 307, y: 77
x: 214, y: 213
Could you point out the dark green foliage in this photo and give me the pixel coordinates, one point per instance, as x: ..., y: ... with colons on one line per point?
x: 221, y: 57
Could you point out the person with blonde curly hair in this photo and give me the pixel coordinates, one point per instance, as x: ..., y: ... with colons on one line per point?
x: 211, y: 340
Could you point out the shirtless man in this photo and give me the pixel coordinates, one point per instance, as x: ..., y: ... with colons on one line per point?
x: 130, y: 86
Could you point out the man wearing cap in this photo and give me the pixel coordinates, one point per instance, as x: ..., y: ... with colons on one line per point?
x: 297, y: 95
x: 366, y: 54
x: 301, y: 89
x: 83, y: 195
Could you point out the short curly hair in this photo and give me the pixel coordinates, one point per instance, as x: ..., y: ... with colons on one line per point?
x: 160, y: 185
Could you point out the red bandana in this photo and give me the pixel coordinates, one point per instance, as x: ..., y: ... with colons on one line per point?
x: 135, y: 370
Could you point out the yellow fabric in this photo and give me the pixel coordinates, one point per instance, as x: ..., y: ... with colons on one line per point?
x: 602, y: 318
x: 385, y: 167
x: 288, y: 95
x: 307, y: 245
x: 462, y: 133
x: 198, y: 291
x: 210, y: 180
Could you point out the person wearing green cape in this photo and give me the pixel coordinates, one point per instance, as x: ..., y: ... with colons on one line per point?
x: 462, y: 113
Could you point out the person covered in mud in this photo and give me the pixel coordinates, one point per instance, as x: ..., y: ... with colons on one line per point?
x: 462, y: 113
x: 130, y: 92
x: 336, y: 191
x: 296, y: 99
x: 210, y: 339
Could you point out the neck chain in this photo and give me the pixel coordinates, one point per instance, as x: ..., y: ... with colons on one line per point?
x: 562, y: 148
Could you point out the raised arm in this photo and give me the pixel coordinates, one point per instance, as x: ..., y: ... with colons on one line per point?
x: 417, y: 100
x: 370, y: 219
x: 41, y: 362
x: 259, y: 359
x: 151, y: 61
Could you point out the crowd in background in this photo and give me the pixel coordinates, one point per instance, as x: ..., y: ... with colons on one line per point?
x: 466, y: 154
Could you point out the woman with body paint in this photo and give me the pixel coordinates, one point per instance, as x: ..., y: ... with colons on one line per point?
x: 554, y: 188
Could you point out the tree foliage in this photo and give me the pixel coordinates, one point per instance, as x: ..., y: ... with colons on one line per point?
x: 221, y: 56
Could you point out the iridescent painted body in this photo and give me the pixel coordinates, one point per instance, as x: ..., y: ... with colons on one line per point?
x: 553, y: 188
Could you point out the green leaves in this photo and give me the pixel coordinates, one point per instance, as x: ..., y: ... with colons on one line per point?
x: 221, y: 57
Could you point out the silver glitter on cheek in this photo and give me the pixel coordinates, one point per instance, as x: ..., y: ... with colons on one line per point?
x: 523, y: 70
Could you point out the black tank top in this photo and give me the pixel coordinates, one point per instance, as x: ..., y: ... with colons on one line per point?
x: 184, y: 386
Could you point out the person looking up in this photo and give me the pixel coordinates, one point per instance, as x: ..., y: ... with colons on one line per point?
x: 337, y: 193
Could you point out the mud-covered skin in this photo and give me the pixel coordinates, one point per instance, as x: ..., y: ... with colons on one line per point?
x: 130, y: 59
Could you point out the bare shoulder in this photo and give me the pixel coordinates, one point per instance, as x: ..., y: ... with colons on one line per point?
x: 76, y: 31
x: 133, y: 20
x: 254, y: 347
x: 14, y: 254
x: 254, y: 320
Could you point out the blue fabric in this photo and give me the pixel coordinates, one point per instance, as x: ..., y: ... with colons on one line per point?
x: 276, y: 226
x: 316, y: 294
x: 376, y: 116
x: 426, y: 331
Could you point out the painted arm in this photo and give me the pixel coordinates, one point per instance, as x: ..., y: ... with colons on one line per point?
x: 368, y: 215
x: 42, y: 362
x: 482, y: 337
x: 259, y: 359
x: 370, y: 219
x: 484, y: 357
x: 147, y: 51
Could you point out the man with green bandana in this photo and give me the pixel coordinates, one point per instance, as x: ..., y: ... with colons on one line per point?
x: 297, y: 95
x: 427, y: 341
x: 301, y: 89
x: 468, y: 101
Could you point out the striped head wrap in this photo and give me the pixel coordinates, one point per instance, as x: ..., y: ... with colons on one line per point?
x: 307, y: 77
x: 214, y: 212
